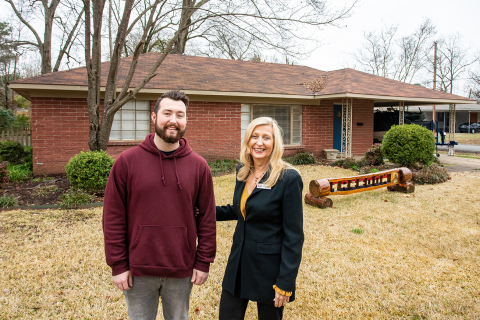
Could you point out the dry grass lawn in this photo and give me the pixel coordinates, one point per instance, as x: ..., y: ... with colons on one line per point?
x: 411, y: 257
x: 467, y: 138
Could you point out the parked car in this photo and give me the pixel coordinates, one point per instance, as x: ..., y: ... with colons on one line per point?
x: 474, y: 127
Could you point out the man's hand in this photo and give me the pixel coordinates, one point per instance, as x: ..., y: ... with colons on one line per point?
x: 123, y: 281
x: 280, y: 300
x: 199, y: 277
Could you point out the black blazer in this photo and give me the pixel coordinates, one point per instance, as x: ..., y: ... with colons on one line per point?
x: 267, y: 245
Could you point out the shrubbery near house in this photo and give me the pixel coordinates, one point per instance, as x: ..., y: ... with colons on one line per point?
x: 374, y: 156
x: 301, y: 158
x: 408, y: 144
x: 11, y: 151
x: 89, y: 170
x: 430, y: 174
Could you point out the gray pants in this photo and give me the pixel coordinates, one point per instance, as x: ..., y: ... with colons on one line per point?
x: 142, y: 298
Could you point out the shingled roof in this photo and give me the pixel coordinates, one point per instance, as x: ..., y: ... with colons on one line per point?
x: 200, y: 74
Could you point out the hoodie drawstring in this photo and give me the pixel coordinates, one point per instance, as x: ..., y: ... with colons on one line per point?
x: 161, y: 167
x: 176, y: 173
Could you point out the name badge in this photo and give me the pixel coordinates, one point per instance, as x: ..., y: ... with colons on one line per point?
x: 262, y: 186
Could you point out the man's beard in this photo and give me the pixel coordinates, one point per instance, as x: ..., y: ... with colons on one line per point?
x: 162, y: 133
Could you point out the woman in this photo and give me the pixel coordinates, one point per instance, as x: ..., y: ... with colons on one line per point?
x: 268, y: 239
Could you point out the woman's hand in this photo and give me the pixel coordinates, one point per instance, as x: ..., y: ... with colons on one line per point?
x: 280, y: 300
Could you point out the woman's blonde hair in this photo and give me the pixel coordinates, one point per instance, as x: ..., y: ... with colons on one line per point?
x: 276, y: 164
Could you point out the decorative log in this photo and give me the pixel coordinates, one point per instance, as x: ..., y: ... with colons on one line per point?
x: 395, y: 180
x: 403, y: 187
x: 319, y: 188
x: 321, y: 202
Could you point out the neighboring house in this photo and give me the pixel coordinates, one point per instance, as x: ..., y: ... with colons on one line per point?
x: 465, y: 113
x: 225, y: 96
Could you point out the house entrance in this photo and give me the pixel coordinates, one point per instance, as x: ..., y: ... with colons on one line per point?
x: 337, y: 127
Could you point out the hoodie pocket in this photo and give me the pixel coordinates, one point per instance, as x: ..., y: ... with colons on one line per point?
x: 161, y: 246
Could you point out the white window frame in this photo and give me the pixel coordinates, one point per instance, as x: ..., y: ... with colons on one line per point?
x: 119, y: 116
x: 247, y: 112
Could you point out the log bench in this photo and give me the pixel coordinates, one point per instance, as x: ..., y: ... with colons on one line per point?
x: 394, y: 180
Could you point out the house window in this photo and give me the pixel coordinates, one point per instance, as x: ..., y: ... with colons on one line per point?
x: 289, y: 118
x: 132, y: 121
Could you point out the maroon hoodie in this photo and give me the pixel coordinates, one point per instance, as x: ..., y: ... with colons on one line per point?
x: 148, y: 220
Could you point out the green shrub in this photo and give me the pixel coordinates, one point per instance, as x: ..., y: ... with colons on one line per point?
x: 430, y: 174
x: 347, y: 163
x: 374, y: 155
x: 408, y: 144
x: 8, y: 201
x: 11, y: 151
x: 303, y: 158
x: 6, y: 119
x: 27, y: 156
x: 4, y: 172
x: 22, y: 121
x: 75, y: 198
x: 19, y: 172
x: 89, y: 170
x: 222, y: 167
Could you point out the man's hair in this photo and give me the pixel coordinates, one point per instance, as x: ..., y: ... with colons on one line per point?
x: 174, y: 95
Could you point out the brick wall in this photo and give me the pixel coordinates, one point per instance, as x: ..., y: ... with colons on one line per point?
x: 317, y: 127
x: 214, y: 129
x: 60, y: 130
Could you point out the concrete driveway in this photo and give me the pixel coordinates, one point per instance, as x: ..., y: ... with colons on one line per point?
x: 457, y: 164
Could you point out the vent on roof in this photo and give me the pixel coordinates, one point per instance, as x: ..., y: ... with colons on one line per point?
x: 316, y: 85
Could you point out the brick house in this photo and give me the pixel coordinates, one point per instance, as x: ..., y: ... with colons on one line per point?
x: 225, y: 96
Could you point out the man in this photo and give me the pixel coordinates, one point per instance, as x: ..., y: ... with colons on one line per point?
x: 149, y: 225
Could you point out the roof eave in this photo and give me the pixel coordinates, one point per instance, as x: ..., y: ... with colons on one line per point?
x: 48, y: 90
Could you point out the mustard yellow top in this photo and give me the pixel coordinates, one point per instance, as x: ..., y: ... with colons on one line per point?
x: 243, y: 201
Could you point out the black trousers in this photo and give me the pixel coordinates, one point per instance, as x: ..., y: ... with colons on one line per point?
x: 233, y: 308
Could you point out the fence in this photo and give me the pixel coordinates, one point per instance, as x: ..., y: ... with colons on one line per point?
x: 24, y: 136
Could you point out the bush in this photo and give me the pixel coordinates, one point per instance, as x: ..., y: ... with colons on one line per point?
x: 374, y: 155
x: 6, y: 119
x: 8, y: 201
x: 3, y: 172
x: 430, y: 174
x: 347, y: 163
x: 405, y: 145
x: 89, y: 170
x: 302, y: 158
x: 75, y: 198
x: 11, y: 151
x: 19, y: 172
x: 225, y: 166
x: 22, y: 121
x: 27, y: 156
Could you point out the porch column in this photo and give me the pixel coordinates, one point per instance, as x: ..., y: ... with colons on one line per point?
x: 347, y: 111
x: 451, y: 130
x: 401, y: 113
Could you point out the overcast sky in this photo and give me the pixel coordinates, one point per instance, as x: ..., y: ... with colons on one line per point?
x: 449, y: 16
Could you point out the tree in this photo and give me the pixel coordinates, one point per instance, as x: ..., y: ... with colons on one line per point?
x: 7, y: 56
x: 186, y: 19
x: 452, y: 62
x: 401, y: 59
x: 242, y: 29
x: 65, y: 16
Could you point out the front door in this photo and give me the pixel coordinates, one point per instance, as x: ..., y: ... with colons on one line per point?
x: 337, y: 127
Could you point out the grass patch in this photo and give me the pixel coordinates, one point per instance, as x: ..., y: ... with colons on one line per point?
x: 45, y: 190
x: 357, y: 231
x: 75, y: 198
x: 53, y: 262
x: 467, y: 138
x: 8, y: 201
